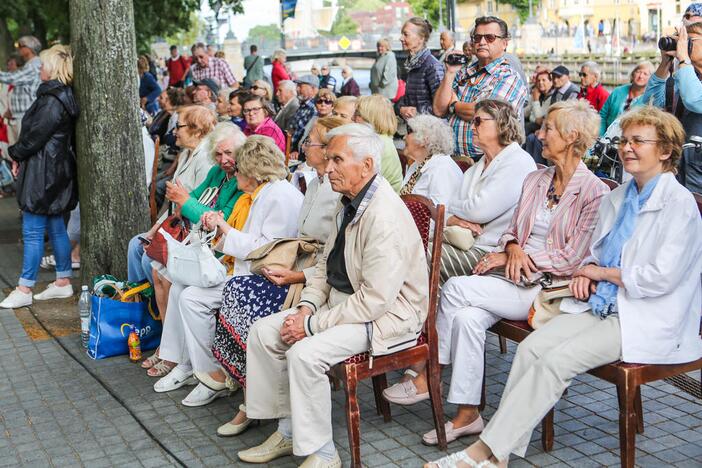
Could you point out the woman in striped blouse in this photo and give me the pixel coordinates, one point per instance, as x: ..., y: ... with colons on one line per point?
x: 549, y: 236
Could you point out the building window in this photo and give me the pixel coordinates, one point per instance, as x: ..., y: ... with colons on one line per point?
x: 490, y: 7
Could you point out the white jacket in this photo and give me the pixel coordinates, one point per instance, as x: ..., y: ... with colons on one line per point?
x: 440, y: 179
x: 273, y: 215
x: 489, y: 196
x: 659, y: 306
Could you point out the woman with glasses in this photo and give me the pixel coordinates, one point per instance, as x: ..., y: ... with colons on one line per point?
x: 263, y: 89
x: 258, y: 120
x: 547, y: 239
x: 639, y: 291
x: 424, y: 71
x: 324, y: 105
x: 243, y: 295
x: 626, y: 96
x: 377, y: 111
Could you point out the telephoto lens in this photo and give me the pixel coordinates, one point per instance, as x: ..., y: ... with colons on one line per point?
x: 667, y: 43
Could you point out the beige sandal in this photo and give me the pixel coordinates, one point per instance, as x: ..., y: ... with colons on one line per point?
x: 150, y: 361
x: 160, y: 369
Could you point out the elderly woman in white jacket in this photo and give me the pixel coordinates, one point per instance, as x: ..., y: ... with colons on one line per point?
x: 268, y: 210
x: 482, y: 206
x: 433, y: 173
x: 641, y: 284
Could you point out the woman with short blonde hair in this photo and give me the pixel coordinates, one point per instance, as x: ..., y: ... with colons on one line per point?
x: 377, y: 111
x: 263, y: 89
x: 58, y: 63
x: 260, y: 159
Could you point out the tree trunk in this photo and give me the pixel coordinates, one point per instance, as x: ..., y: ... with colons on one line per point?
x: 111, y: 177
x: 6, y: 42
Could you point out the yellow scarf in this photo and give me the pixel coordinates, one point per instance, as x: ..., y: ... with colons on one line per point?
x: 238, y: 218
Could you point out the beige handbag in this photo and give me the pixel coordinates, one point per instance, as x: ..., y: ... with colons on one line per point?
x: 459, y: 237
x: 547, y: 304
x: 285, y: 253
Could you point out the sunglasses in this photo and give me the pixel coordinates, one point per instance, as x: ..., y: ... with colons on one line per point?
x: 325, y: 101
x: 477, y: 120
x: 489, y: 38
x: 255, y: 88
x: 582, y: 75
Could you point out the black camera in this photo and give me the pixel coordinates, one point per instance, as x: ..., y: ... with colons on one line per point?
x: 669, y: 43
x: 456, y: 59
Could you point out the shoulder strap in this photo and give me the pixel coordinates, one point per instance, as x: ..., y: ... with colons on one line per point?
x: 252, y: 64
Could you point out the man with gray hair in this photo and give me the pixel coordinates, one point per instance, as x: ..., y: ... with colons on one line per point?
x: 286, y: 94
x: 590, y: 86
x: 26, y: 81
x: 369, y: 293
x: 447, y: 43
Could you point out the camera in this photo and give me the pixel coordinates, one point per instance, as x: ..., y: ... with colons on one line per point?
x: 456, y: 59
x: 669, y: 43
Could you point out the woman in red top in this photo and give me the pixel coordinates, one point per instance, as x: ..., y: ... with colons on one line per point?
x: 257, y: 113
x: 279, y: 73
x: 590, y: 86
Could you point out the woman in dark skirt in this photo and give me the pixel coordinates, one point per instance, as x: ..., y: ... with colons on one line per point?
x: 249, y: 298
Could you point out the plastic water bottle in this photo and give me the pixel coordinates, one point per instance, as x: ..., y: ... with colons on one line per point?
x: 84, y: 311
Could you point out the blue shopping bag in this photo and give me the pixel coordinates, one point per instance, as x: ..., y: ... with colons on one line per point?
x: 111, y: 320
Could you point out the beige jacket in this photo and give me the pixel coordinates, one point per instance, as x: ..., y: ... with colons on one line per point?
x: 387, y: 267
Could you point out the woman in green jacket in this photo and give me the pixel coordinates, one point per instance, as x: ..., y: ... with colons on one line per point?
x: 626, y: 96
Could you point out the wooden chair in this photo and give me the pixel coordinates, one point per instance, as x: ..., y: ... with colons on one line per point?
x: 288, y: 147
x: 464, y: 162
x: 153, y: 208
x: 356, y: 368
x: 628, y: 377
x: 611, y: 183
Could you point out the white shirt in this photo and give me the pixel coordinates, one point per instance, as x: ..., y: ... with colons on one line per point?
x: 659, y: 305
x: 539, y: 231
x: 440, y: 179
x: 149, y: 150
x: 274, y: 214
x: 489, y: 196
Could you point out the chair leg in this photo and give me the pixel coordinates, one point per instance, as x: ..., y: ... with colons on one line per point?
x: 353, y: 417
x: 547, y: 431
x: 437, y: 407
x: 503, y: 345
x: 382, y: 407
x: 627, y: 421
x: 638, y: 406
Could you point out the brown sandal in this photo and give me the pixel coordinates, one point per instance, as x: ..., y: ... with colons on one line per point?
x: 150, y: 361
x: 160, y: 369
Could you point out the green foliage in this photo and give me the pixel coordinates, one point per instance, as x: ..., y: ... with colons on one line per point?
x: 269, y: 32
x: 365, y: 5
x: 428, y: 9
x: 522, y: 7
x: 343, y: 24
x: 188, y: 36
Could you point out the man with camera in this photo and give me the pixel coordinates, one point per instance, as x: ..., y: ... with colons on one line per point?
x: 489, y: 77
x: 685, y: 100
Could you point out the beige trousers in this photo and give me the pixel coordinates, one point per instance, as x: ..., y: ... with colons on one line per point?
x: 544, y: 366
x: 14, y: 127
x: 290, y: 381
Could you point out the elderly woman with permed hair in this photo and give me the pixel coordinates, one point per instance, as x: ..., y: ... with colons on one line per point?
x: 268, y: 210
x: 640, y: 292
x: 548, y: 238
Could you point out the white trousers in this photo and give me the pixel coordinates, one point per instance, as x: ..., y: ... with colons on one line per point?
x: 189, y: 328
x: 14, y: 128
x: 290, y: 381
x: 544, y: 366
x: 469, y: 306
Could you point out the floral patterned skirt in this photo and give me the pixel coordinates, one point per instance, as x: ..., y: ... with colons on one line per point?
x: 245, y: 300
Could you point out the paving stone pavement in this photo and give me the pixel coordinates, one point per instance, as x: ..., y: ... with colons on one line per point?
x: 59, y: 408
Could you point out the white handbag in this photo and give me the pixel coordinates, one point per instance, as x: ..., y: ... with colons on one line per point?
x: 192, y: 262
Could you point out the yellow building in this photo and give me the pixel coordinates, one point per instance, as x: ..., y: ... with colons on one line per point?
x: 468, y: 10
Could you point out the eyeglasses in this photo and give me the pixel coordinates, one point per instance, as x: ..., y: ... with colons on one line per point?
x: 251, y: 110
x: 477, y: 120
x: 489, y: 38
x: 635, y: 142
x: 325, y: 102
x: 307, y: 143
x: 179, y: 126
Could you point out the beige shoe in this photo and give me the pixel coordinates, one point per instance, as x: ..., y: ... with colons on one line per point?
x: 314, y: 461
x: 275, y: 446
x: 230, y: 429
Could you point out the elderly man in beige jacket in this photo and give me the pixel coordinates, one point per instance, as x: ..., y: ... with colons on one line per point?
x: 369, y: 293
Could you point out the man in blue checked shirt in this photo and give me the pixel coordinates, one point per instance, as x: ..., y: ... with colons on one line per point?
x: 489, y: 77
x: 307, y: 87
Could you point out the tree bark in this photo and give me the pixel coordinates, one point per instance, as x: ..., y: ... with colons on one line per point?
x: 6, y: 42
x: 111, y: 177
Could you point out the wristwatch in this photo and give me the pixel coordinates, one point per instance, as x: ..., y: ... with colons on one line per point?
x: 452, y: 108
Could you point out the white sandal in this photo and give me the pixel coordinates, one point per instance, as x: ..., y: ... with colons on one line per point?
x: 452, y: 460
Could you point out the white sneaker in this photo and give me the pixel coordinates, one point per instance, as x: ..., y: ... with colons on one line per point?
x: 55, y: 292
x: 175, y: 379
x: 17, y: 299
x: 203, y: 395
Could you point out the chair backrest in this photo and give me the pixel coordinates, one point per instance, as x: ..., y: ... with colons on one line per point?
x: 153, y: 209
x: 611, y: 183
x: 288, y: 147
x: 463, y: 164
x: 423, y: 212
x: 698, y: 199
x: 540, y: 166
x: 403, y: 161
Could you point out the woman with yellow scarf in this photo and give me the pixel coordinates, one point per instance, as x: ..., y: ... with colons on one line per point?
x: 267, y: 210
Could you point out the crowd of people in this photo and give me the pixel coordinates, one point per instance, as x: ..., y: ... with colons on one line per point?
x: 301, y: 160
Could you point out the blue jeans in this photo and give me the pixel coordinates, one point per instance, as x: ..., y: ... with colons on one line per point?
x: 33, y: 227
x: 138, y: 263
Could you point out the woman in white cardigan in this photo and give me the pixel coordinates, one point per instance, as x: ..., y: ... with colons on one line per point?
x: 433, y: 173
x: 483, y: 207
x: 268, y: 210
x: 641, y: 284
